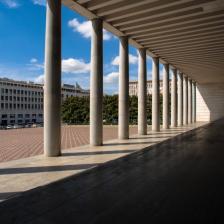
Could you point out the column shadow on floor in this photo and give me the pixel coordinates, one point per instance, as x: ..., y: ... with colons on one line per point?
x: 130, y: 143
x: 96, y: 153
x: 43, y: 169
x: 6, y: 195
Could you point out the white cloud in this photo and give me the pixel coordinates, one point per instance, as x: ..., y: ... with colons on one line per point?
x: 84, y: 28
x: 33, y: 60
x: 39, y: 79
x: 115, y: 61
x: 10, y: 3
x: 39, y: 2
x: 132, y: 60
x: 111, y: 78
x: 34, y: 65
x: 72, y: 65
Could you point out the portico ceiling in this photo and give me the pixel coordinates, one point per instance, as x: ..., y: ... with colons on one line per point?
x: 188, y: 34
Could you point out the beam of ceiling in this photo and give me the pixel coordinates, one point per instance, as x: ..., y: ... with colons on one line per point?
x: 187, y: 34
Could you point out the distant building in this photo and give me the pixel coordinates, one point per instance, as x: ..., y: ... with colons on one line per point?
x: 133, y: 87
x: 22, y: 102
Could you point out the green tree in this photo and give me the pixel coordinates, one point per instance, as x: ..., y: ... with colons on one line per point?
x: 75, y: 110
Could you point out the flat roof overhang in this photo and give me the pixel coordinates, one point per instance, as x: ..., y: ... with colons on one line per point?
x: 187, y: 34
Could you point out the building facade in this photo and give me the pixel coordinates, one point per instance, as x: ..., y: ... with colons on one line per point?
x: 22, y: 102
x: 133, y: 87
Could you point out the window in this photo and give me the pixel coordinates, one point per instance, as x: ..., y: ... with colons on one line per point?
x: 4, y: 115
x: 27, y: 115
x: 12, y: 115
x: 20, y: 115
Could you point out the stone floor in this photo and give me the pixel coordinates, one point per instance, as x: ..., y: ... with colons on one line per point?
x: 179, y: 180
x: 22, y: 143
x: 21, y: 175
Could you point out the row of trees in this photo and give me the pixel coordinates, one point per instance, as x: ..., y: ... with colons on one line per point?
x: 75, y: 110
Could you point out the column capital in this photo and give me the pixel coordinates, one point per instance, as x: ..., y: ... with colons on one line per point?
x: 123, y: 37
x: 96, y: 18
x: 166, y: 66
x: 155, y: 59
x: 142, y: 51
x: 165, y: 63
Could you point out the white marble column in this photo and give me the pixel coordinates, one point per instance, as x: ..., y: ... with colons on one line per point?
x: 52, y: 84
x: 189, y: 101
x: 180, y: 99
x: 174, y: 99
x: 166, y: 97
x: 155, y: 95
x: 185, y: 107
x: 123, y: 104
x: 96, y: 84
x: 194, y: 102
x: 142, y: 76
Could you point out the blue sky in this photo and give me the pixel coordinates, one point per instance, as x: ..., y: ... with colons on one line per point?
x: 22, y: 33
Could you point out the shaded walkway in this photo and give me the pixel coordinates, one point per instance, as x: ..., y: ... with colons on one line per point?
x: 176, y: 181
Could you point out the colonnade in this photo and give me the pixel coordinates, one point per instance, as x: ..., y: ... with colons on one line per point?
x: 183, y: 90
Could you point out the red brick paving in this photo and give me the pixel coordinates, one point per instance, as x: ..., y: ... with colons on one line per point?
x: 22, y: 143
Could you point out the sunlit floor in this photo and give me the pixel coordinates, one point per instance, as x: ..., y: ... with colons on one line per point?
x: 21, y: 175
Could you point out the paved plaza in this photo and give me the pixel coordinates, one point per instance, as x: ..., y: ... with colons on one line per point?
x: 22, y: 143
